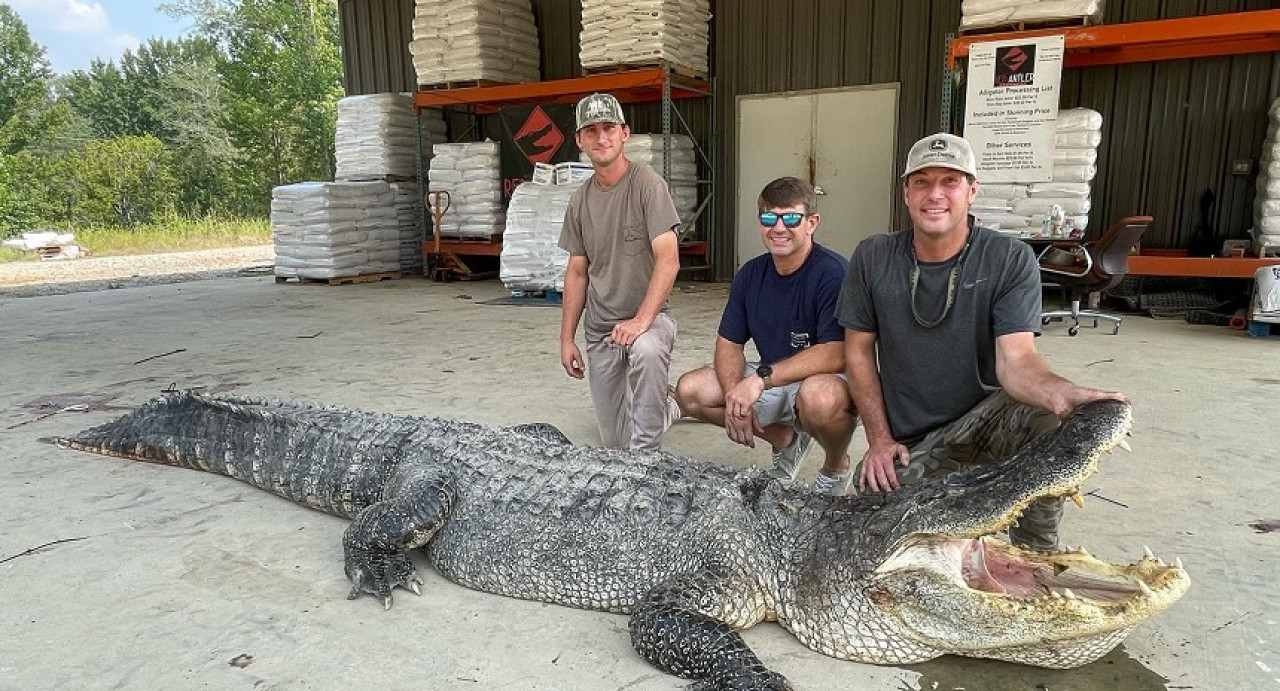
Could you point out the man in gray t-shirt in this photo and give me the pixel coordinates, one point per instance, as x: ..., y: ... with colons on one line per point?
x: 619, y: 231
x: 940, y: 324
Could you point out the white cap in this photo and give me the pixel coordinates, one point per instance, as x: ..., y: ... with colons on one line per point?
x: 599, y: 108
x: 941, y: 150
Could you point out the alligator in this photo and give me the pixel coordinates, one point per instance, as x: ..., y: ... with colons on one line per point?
x: 693, y: 552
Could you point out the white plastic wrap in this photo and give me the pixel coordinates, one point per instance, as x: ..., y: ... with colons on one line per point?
x: 1003, y: 190
x: 470, y: 172
x: 1036, y: 207
x: 1078, y: 190
x: 1079, y: 119
x: 1266, y: 295
x: 335, y: 229
x: 1074, y: 173
x: 620, y: 32
x: 469, y: 40
x: 376, y: 136
x: 1080, y: 139
x: 531, y: 257
x: 983, y: 13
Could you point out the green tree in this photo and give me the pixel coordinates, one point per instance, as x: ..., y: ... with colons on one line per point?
x: 281, y: 69
x: 24, y: 84
x: 122, y: 181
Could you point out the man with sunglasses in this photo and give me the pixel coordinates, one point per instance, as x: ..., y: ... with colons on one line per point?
x: 784, y: 301
x: 940, y: 325
x: 619, y: 231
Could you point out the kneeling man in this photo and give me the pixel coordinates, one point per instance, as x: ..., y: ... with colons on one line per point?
x: 784, y: 301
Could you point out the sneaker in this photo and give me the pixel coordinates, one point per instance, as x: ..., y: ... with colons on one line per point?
x: 834, y: 485
x: 787, y: 462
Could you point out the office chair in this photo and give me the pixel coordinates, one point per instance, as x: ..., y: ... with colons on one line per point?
x: 1097, y: 266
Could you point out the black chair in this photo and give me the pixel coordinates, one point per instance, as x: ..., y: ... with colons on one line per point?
x: 1093, y: 268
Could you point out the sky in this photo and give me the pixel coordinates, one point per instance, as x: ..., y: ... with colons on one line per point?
x: 75, y: 32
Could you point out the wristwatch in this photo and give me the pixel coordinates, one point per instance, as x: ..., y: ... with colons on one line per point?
x: 765, y: 372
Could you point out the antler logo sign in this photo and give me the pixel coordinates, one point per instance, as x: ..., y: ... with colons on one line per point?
x: 1016, y: 65
x: 598, y: 108
x: 539, y: 139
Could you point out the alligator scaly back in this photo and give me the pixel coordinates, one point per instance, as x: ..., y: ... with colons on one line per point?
x: 326, y: 458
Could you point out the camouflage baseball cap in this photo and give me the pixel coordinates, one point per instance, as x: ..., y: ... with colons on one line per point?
x: 942, y: 150
x: 599, y: 108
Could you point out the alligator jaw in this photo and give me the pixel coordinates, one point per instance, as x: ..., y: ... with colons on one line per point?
x: 983, y: 597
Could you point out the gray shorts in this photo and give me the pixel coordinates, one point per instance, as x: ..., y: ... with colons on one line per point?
x: 776, y: 405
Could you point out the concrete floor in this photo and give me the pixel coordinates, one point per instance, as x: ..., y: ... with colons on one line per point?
x: 178, y: 579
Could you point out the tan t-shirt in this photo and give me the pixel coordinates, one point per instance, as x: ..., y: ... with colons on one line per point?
x: 614, y: 227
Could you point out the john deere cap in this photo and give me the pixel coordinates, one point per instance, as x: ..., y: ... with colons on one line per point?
x: 599, y: 108
x: 941, y: 151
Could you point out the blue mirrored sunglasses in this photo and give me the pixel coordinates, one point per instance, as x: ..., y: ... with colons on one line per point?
x: 790, y: 219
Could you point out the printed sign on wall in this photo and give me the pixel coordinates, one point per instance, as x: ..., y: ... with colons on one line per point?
x: 1011, y: 107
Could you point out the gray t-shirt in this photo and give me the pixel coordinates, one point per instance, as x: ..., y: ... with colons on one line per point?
x: 614, y: 227
x: 931, y: 376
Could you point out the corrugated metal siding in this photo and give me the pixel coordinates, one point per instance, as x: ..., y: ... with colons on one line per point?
x: 1173, y: 129
x: 765, y: 46
x: 375, y: 46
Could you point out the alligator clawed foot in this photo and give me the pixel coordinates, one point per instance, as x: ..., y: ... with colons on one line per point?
x: 377, y: 573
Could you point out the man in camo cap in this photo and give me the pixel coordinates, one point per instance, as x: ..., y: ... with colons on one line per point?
x: 620, y: 233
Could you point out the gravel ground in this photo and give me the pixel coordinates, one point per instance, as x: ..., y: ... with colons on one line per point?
x: 53, y: 277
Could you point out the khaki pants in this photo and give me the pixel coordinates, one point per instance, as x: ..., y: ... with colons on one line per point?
x: 993, y: 430
x: 629, y: 387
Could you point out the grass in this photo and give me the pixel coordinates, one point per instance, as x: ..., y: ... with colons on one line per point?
x: 172, y: 235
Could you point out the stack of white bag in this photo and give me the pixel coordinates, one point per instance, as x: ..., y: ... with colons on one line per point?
x: 334, y: 229
x: 531, y: 256
x: 619, y: 32
x: 471, y: 174
x: 975, y: 14
x: 1266, y: 203
x: 1022, y: 207
x: 376, y: 136
x: 648, y: 149
x: 405, y: 196
x: 465, y: 40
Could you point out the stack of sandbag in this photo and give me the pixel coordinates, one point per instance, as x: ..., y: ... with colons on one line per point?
x: 334, y: 229
x: 411, y: 232
x: 977, y: 14
x: 469, y: 40
x: 1022, y: 208
x: 531, y: 256
x: 1266, y: 202
x: 648, y: 149
x: 376, y: 136
x: 619, y: 32
x: 470, y: 172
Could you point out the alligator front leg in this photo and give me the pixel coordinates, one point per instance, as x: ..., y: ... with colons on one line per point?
x: 680, y: 627
x: 377, y: 544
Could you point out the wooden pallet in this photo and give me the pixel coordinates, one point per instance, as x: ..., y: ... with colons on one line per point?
x: 1071, y: 23
x: 635, y: 67
x: 492, y: 239
x: 460, y: 84
x: 380, y: 178
x: 341, y: 280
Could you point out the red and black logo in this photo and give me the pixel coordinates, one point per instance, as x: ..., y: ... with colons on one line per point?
x: 1016, y: 65
x: 539, y: 138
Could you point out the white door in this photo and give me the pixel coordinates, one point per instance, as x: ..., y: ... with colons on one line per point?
x: 841, y: 140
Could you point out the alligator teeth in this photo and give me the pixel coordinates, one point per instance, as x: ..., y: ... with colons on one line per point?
x: 1125, y: 445
x: 1147, y: 553
x: 1077, y: 498
x: 413, y: 585
x: 1177, y: 563
x: 386, y: 603
x: 1055, y: 594
x: 1146, y: 589
x: 1066, y: 592
x: 1084, y: 552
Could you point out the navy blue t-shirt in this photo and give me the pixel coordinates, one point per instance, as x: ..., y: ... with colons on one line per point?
x: 785, y: 314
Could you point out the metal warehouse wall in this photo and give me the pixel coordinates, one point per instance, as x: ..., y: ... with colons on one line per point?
x: 764, y: 46
x: 1173, y: 129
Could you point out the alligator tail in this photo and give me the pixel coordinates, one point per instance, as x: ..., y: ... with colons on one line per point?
x: 325, y: 458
